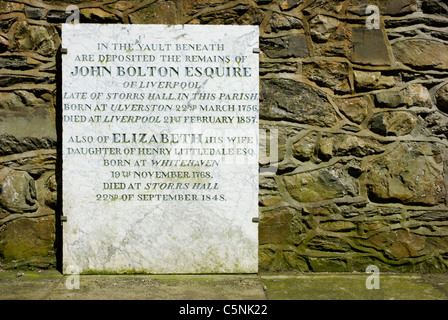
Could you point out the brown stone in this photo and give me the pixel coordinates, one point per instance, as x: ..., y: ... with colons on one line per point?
x: 304, y: 148
x: 41, y: 39
x: 345, y: 145
x: 421, y: 54
x: 51, y: 192
x: 442, y: 98
x: 165, y: 12
x: 289, y: 4
x: 98, y: 16
x: 338, y: 226
x: 239, y: 15
x: 28, y: 239
x: 190, y: 7
x: 274, y: 227
x: 328, y: 244
x: 418, y: 96
x: 414, y: 95
x: 333, y: 6
x: 334, y: 75
x: 325, y: 150
x: 398, y: 244
x: 397, y: 123
x: 273, y: 137
x: 322, y: 264
x: 9, y: 6
x: 412, y: 174
x: 121, y: 5
x: 9, y: 101
x: 367, y: 80
x: 355, y: 109
x: 328, y: 183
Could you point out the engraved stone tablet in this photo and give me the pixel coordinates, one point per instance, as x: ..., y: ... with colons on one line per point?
x: 160, y: 148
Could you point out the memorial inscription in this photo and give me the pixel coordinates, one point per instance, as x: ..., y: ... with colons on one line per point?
x: 160, y: 148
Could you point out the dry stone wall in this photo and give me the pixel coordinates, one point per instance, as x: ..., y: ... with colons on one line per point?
x: 355, y: 105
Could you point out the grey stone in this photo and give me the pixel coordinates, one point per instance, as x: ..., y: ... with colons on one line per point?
x: 57, y: 16
x: 435, y: 7
x: 369, y: 47
x: 19, y: 191
x: 262, y: 2
x: 51, y: 192
x: 414, y: 95
x: 14, y: 62
x: 15, y: 78
x: 285, y: 47
x: 280, y: 22
x: 283, y: 99
x: 437, y: 123
x: 399, y: 7
x: 34, y: 13
x: 322, y: 27
x: 11, y: 145
x: 9, y: 101
x: 275, y: 67
x: 4, y: 44
x: 390, y: 99
x: 358, y: 8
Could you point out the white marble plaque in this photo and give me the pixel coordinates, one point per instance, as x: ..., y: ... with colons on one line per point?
x: 160, y: 148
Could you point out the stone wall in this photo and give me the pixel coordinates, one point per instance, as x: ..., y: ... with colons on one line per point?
x: 360, y: 116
